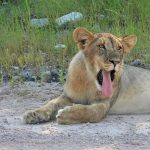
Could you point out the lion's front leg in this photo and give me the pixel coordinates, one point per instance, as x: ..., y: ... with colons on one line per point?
x: 46, y: 112
x: 82, y: 113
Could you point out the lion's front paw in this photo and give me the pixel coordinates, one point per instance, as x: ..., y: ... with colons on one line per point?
x: 33, y: 117
x: 64, y: 116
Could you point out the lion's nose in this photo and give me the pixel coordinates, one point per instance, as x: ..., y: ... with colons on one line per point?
x: 115, y: 62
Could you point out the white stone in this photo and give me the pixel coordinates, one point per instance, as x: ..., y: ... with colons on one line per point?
x: 60, y: 46
x: 15, y: 67
x: 73, y: 16
x: 42, y: 22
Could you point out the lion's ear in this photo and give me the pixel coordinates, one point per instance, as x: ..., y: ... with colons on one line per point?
x: 82, y: 36
x: 129, y: 42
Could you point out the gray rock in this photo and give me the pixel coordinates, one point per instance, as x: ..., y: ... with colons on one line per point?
x: 34, y: 78
x: 42, y: 22
x: 55, y: 75
x: 71, y: 17
x: 136, y: 62
x: 15, y: 67
x: 5, y: 78
x: 27, y: 74
x: 46, y: 76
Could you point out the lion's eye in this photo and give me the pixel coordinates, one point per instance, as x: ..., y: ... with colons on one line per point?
x: 101, y: 46
x: 101, y: 49
x: 119, y: 48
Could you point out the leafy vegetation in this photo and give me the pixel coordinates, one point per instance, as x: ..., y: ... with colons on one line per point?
x: 23, y: 45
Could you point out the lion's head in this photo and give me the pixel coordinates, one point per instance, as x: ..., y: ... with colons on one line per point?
x: 104, y: 54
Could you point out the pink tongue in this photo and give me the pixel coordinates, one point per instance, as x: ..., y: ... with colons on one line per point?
x: 106, y: 84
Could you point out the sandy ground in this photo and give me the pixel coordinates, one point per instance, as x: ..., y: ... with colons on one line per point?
x: 113, y: 133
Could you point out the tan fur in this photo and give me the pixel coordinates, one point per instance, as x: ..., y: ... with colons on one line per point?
x: 82, y: 100
x: 134, y: 94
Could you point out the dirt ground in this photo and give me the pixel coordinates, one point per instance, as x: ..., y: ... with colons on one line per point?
x: 113, y: 133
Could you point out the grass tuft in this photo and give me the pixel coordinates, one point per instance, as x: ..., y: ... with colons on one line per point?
x: 23, y: 45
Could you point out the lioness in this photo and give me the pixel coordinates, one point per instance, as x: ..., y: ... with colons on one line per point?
x: 96, y: 80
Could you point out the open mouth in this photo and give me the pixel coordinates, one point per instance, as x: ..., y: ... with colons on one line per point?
x: 100, y: 76
x: 105, y: 79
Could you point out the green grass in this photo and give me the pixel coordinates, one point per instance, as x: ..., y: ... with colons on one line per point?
x: 22, y: 45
